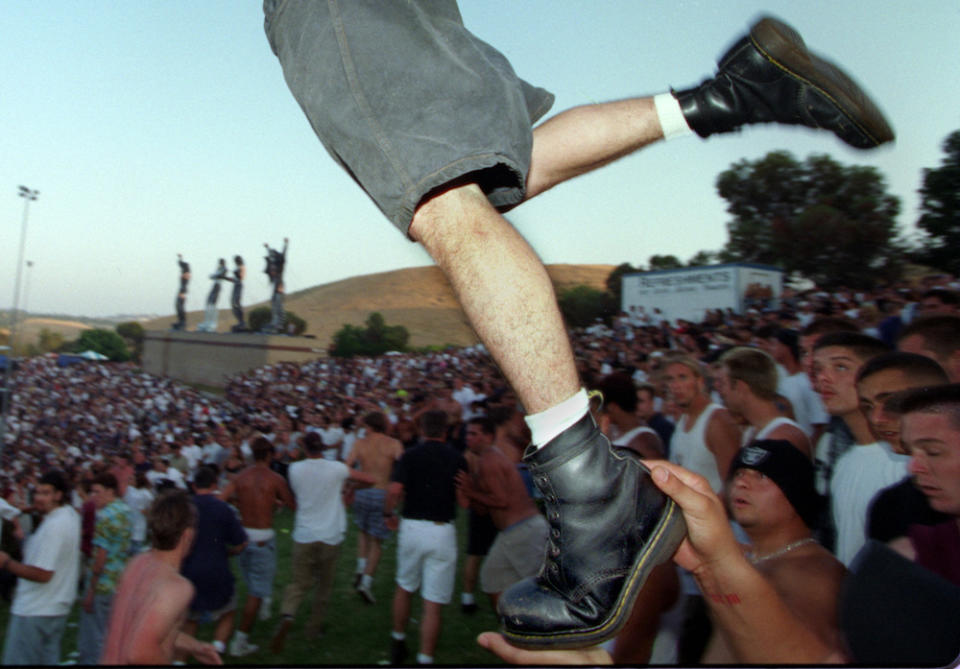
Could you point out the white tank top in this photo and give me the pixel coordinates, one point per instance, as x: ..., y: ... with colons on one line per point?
x: 627, y: 437
x: 689, y: 448
x: 748, y: 434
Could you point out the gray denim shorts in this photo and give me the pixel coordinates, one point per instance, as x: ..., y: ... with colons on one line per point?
x: 406, y: 99
x: 258, y: 565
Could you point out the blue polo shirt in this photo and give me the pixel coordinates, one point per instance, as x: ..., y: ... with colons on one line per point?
x: 207, y: 565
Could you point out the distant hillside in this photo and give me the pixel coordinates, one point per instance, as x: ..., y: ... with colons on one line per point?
x: 28, y: 330
x: 418, y: 298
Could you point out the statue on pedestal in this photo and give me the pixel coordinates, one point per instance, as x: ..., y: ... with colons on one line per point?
x: 274, y: 270
x: 181, y: 322
x: 209, y: 323
x: 239, y: 273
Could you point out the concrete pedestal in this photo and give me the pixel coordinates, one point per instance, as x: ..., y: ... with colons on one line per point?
x: 209, y: 358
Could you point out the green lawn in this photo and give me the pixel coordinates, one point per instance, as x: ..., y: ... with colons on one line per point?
x: 357, y: 633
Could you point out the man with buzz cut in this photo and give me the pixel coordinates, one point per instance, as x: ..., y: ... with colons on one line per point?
x: 319, y: 527
x: 881, y: 383
x: 48, y: 576
x: 437, y: 128
x: 930, y: 426
x: 867, y: 466
x: 937, y: 337
x: 746, y: 380
x: 425, y: 479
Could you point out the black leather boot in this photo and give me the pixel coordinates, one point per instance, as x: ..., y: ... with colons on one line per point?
x: 769, y: 76
x: 609, y: 527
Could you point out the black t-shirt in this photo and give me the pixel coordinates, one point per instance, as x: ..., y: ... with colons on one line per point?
x: 427, y: 473
x: 896, y: 508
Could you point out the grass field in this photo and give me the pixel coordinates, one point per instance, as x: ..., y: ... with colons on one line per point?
x: 356, y: 633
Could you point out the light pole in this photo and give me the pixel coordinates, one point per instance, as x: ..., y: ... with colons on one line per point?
x: 28, y: 196
x: 26, y: 287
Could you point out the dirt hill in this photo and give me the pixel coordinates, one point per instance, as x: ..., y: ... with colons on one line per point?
x: 418, y: 298
x: 28, y: 331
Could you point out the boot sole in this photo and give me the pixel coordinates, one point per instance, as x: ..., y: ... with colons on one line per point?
x: 785, y: 48
x: 666, y: 538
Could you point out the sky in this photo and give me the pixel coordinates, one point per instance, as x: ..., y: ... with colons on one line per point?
x: 153, y: 127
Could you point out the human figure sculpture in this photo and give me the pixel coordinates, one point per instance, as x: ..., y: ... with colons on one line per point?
x: 181, y: 322
x: 239, y: 273
x: 276, y: 260
x: 209, y: 323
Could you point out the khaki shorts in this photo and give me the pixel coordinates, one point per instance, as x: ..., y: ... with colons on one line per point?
x: 516, y: 554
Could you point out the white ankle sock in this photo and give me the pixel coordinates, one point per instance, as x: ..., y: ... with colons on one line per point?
x: 361, y: 565
x: 424, y: 659
x: 219, y: 645
x: 399, y: 636
x: 546, y: 425
x: 466, y: 598
x: 671, y: 118
x: 366, y: 580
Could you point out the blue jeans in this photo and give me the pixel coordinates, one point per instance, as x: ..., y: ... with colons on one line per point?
x: 93, y: 629
x: 33, y: 640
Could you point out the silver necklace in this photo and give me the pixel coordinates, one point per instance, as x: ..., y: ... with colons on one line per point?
x: 756, y: 559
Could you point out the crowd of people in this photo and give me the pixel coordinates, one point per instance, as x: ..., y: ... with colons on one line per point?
x: 791, y: 415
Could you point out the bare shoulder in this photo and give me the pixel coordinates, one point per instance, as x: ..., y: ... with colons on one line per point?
x: 173, y: 594
x: 794, y: 435
x: 395, y: 446
x: 647, y: 445
x: 179, y: 585
x: 813, y: 571
x: 723, y: 419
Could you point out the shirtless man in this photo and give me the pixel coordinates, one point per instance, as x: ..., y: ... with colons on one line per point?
x: 498, y: 487
x: 152, y: 599
x: 256, y: 492
x: 763, y: 616
x: 375, y: 455
x: 771, y: 493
